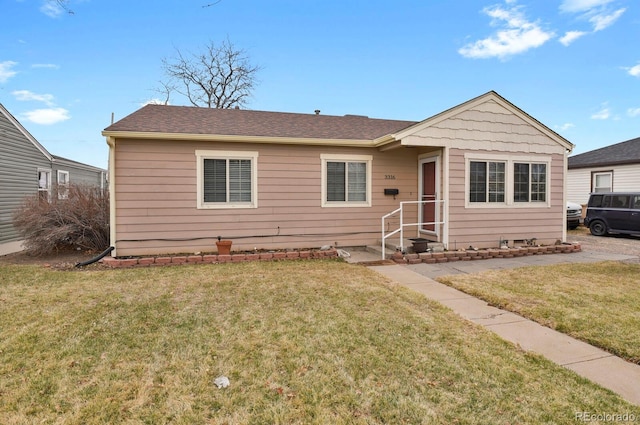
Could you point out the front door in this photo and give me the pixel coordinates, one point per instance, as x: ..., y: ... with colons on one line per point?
x: 429, y: 192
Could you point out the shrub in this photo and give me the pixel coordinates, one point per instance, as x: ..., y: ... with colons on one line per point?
x: 80, y: 219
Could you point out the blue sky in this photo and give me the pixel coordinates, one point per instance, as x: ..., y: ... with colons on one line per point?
x: 572, y: 64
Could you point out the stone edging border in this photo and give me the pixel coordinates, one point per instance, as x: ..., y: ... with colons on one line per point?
x: 397, y: 257
x: 483, y: 254
x: 216, y: 259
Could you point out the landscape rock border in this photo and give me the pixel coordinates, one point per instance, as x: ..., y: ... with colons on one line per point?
x: 483, y: 254
x: 167, y: 260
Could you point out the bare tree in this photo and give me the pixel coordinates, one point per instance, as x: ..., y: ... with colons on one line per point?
x: 220, y: 77
x: 62, y: 4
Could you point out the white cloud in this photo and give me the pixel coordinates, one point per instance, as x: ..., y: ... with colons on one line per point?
x: 577, y: 6
x: 517, y: 35
x: 6, y: 72
x: 47, y: 116
x: 634, y: 71
x: 51, y: 8
x: 26, y: 95
x: 154, y: 101
x: 602, y: 114
x: 565, y: 126
x: 633, y: 112
x: 601, y: 21
x: 45, y: 65
x: 571, y: 36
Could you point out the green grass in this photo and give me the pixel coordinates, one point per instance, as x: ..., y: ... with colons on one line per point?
x: 302, y: 343
x: 597, y: 303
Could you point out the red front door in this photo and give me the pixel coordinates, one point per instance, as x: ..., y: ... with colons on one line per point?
x: 429, y: 194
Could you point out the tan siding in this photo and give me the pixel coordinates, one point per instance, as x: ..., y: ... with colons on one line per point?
x: 156, y: 199
x: 484, y: 227
x: 489, y: 127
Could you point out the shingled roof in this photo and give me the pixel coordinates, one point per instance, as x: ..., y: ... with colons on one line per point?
x: 239, y: 122
x: 619, y: 154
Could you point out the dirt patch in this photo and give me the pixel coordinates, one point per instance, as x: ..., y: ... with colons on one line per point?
x: 64, y: 259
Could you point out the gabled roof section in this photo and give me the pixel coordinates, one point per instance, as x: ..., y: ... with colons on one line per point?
x: 69, y: 162
x: 470, y: 104
x: 24, y: 131
x: 182, y: 122
x: 619, y: 154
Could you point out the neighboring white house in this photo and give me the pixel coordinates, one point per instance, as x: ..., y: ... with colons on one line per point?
x: 612, y: 168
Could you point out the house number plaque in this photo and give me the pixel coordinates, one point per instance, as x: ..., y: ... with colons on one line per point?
x: 389, y: 177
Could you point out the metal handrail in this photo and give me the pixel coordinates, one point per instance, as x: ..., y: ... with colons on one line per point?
x: 400, y: 210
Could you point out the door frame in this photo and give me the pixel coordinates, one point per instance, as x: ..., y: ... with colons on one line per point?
x: 421, y: 161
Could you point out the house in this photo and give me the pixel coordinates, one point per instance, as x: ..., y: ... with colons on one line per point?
x: 182, y: 177
x: 27, y: 168
x: 608, y: 169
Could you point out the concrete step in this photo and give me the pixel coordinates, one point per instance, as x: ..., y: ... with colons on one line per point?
x: 392, y: 246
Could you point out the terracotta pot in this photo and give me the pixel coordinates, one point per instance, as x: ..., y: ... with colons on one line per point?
x: 224, y: 247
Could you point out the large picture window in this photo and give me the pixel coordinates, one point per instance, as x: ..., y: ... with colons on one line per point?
x: 227, y: 179
x: 346, y: 180
x: 506, y: 180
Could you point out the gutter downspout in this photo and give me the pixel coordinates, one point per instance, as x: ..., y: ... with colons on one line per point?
x: 564, y: 194
x: 112, y: 192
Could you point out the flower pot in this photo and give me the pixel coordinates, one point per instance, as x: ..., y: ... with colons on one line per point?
x: 224, y: 247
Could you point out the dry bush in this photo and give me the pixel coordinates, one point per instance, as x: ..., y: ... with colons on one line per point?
x: 80, y: 220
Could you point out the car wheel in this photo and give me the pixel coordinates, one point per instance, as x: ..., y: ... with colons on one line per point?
x: 598, y: 228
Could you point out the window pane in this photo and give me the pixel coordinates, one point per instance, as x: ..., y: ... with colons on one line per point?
x: 477, y: 181
x: 239, y: 180
x: 357, y: 181
x: 596, y: 201
x: 336, y: 180
x: 538, y: 182
x: 496, y: 181
x: 620, y: 201
x: 520, y: 182
x: 602, y: 182
x: 215, y: 180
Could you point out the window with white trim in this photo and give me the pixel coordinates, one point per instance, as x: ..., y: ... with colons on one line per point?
x: 529, y: 182
x: 487, y: 181
x: 44, y: 184
x: 227, y: 179
x: 506, y: 180
x: 602, y: 181
x: 63, y: 184
x: 346, y: 180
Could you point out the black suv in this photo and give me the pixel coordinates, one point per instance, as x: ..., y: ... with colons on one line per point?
x: 614, y: 212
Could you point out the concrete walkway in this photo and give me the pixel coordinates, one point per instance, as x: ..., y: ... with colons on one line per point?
x: 592, y: 363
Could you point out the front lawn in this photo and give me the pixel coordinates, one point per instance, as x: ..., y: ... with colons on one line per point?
x: 312, y: 342
x: 597, y: 303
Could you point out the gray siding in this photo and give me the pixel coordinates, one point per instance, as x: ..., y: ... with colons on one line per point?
x: 19, y: 163
x: 21, y: 156
x: 79, y: 173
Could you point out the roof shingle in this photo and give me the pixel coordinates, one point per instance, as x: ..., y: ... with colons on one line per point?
x: 240, y: 122
x: 621, y: 153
